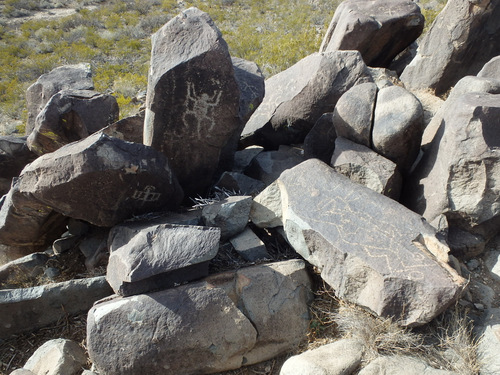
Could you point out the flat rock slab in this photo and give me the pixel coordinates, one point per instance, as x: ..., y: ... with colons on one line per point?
x: 297, y: 97
x: 24, y: 310
x: 102, y: 180
x: 150, y: 256
x: 379, y: 29
x: 71, y: 115
x: 240, y: 183
x: 366, y: 167
x: 338, y: 358
x: 193, y: 98
x: 373, y: 251
x: 230, y: 319
x: 77, y: 77
x: 249, y: 246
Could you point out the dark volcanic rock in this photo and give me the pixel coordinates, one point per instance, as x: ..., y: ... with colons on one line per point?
x: 129, y: 129
x: 297, y: 97
x: 379, y: 29
x: 102, y: 180
x: 464, y: 36
x: 74, y: 77
x: 69, y: 116
x: 14, y: 155
x: 372, y: 251
x: 320, y: 141
x: 146, y: 257
x: 193, y: 98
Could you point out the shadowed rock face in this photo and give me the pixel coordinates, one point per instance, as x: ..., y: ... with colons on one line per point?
x: 193, y: 100
x: 297, y: 97
x: 378, y: 29
x: 369, y: 248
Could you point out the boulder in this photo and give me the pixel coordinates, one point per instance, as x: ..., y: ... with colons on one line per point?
x: 398, y: 126
x: 251, y: 84
x: 57, y: 357
x: 14, y: 156
x: 149, y: 256
x: 451, y: 50
x: 366, y: 167
x: 26, y: 309
x: 489, y: 345
x: 379, y: 29
x: 243, y: 158
x: 297, y: 97
x: 240, y: 183
x: 128, y: 129
x: 193, y: 98
x: 372, y: 251
x: 268, y: 165
x: 491, y: 69
x: 31, y: 265
x: 71, y: 115
x: 337, y: 358
x: 492, y: 263
x: 22, y: 371
x: 27, y: 223
x: 230, y: 319
x: 353, y: 115
x: 230, y: 215
x: 457, y: 174
x: 400, y: 364
x: 101, y: 180
x: 320, y: 141
x: 77, y: 77
x: 249, y: 246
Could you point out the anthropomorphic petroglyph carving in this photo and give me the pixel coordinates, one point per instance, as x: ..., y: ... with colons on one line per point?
x: 199, y: 110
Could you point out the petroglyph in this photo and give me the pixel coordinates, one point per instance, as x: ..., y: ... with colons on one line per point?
x: 146, y: 195
x: 199, y: 112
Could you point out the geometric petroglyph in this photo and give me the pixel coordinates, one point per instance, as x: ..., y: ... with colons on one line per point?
x: 146, y: 195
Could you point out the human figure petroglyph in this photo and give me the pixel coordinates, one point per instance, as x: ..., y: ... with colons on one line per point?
x: 199, y: 110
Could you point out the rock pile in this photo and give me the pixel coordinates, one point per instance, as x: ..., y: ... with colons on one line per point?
x: 338, y: 158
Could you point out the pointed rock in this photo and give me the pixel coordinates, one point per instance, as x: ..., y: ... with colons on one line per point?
x: 193, y: 99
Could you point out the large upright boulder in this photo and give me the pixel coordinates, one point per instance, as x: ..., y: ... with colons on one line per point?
x: 71, y: 115
x: 464, y: 36
x: 101, y: 180
x: 297, y: 97
x: 379, y: 29
x: 373, y: 251
x: 458, y: 174
x: 77, y: 77
x: 193, y: 99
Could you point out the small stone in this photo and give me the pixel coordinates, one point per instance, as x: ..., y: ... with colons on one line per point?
x: 249, y: 246
x: 52, y: 272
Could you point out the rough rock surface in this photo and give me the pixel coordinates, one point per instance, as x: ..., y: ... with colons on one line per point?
x: 71, y: 115
x: 31, y: 265
x: 451, y: 49
x: 399, y: 364
x: 193, y: 99
x: 489, y: 345
x: 353, y: 115
x: 373, y: 251
x: 320, y: 141
x: 76, y: 77
x: 14, y: 156
x: 249, y: 246
x: 27, y: 309
x: 252, y: 87
x: 298, y: 96
x: 150, y: 256
x: 379, y: 29
x: 338, y: 358
x: 457, y: 176
x: 57, y: 357
x: 398, y: 126
x: 491, y: 69
x: 130, y: 129
x: 209, y: 326
x: 102, y: 180
x: 240, y: 183
x: 366, y: 167
x: 268, y: 165
x: 230, y: 215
